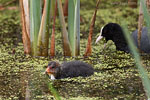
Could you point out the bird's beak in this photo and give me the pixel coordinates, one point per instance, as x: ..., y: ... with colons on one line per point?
x: 100, y: 36
x: 47, y: 70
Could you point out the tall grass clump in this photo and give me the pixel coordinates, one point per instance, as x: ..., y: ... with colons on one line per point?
x: 36, y: 41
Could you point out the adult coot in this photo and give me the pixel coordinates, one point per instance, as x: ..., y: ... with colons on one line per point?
x: 68, y: 69
x: 114, y: 32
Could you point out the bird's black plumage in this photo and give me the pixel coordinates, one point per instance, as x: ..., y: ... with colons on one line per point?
x: 69, y: 69
x: 114, y: 32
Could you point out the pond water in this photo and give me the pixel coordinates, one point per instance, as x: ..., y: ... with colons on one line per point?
x: 22, y: 76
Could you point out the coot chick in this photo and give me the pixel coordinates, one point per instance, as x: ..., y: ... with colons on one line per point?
x: 114, y: 32
x: 68, y: 69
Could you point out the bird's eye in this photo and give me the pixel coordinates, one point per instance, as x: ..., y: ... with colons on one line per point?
x: 53, y: 67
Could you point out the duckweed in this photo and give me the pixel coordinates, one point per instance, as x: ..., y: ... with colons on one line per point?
x: 115, y: 77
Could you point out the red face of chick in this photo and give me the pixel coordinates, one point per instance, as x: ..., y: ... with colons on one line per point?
x: 51, y: 68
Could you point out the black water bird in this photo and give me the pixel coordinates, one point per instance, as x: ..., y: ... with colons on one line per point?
x: 68, y: 69
x: 114, y: 32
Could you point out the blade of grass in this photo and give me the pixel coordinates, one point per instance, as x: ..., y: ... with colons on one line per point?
x: 35, y: 21
x: 25, y: 25
x: 142, y: 71
x: 52, y: 49
x: 43, y: 38
x: 27, y: 18
x: 89, y: 47
x: 54, y: 92
x: 74, y: 25
x: 71, y: 35
x: 66, y: 44
x: 77, y: 28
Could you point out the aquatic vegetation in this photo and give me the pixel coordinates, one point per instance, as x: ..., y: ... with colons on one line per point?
x: 115, y: 77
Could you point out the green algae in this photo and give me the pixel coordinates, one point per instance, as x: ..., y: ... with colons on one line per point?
x: 115, y: 77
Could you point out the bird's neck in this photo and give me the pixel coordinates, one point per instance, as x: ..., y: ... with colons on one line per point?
x: 122, y: 46
x: 58, y: 72
x: 120, y: 42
